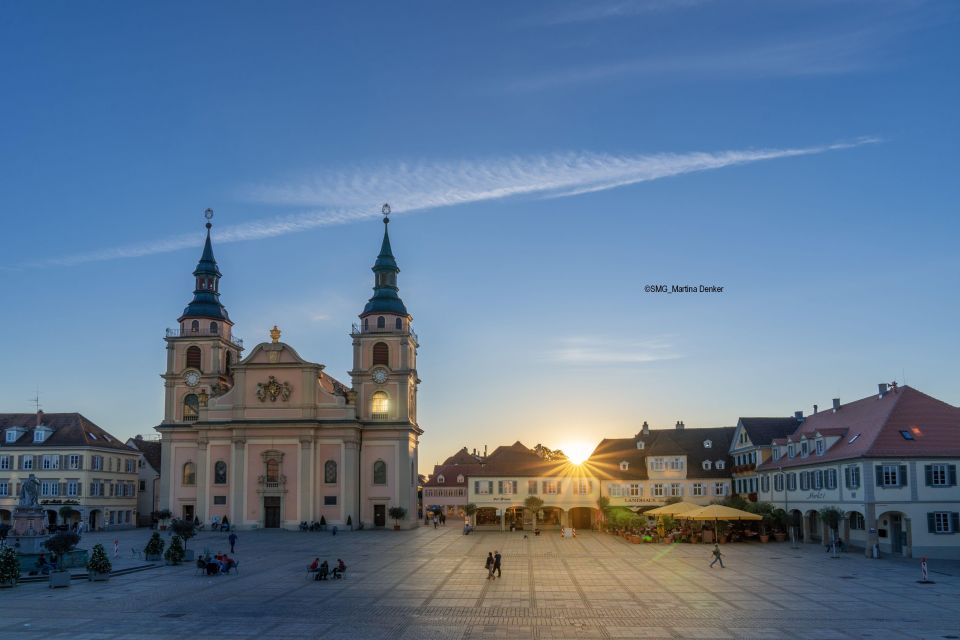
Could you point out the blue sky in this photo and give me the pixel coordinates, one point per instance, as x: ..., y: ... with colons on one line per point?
x: 545, y: 161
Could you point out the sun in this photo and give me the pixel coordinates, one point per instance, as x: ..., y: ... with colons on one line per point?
x: 577, y: 452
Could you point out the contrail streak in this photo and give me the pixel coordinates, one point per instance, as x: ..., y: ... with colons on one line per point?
x: 345, y: 197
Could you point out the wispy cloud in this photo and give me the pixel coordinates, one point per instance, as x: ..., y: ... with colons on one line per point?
x: 344, y: 197
x: 599, y: 10
x: 596, y: 351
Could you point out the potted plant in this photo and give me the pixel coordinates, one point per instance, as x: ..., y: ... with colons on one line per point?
x: 60, y: 545
x: 779, y: 520
x: 534, y: 504
x: 185, y: 529
x: 832, y: 516
x: 163, y: 515
x: 9, y: 567
x: 350, y: 522
x: 323, y: 523
x: 398, y: 514
x: 99, y: 567
x: 174, y: 553
x: 153, y: 552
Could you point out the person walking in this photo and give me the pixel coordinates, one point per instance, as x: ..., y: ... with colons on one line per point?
x: 436, y: 521
x: 489, y: 566
x: 497, y: 559
x: 233, y: 542
x: 717, y: 556
x: 116, y: 547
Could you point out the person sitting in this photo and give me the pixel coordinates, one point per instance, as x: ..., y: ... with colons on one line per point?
x: 315, y: 565
x: 224, y: 524
x: 303, y: 525
x: 324, y: 571
x: 338, y: 569
x: 227, y: 563
x: 213, y: 566
x: 215, y: 523
x: 42, y: 565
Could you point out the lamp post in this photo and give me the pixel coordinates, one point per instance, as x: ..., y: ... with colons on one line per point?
x: 786, y: 507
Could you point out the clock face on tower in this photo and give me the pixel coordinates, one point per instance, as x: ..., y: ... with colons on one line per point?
x: 379, y: 376
x: 192, y: 378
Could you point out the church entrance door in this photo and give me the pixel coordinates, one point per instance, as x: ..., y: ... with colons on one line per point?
x: 379, y: 515
x: 271, y: 512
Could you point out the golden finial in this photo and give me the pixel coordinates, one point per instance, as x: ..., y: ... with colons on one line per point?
x: 275, y: 334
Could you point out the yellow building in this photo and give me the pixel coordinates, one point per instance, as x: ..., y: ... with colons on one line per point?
x: 78, y: 465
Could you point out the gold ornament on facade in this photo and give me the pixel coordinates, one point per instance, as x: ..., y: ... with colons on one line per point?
x: 273, y: 390
x: 203, y: 397
x: 275, y: 334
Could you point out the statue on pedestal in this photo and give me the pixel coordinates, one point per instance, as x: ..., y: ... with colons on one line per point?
x: 30, y: 493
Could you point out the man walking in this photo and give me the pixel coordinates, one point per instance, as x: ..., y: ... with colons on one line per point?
x: 489, y: 566
x: 497, y: 558
x: 233, y: 542
x: 717, y: 556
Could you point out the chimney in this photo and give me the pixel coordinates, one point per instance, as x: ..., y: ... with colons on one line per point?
x: 645, y: 429
x: 836, y: 405
x: 474, y: 452
x: 798, y: 415
x: 882, y: 388
x: 39, y: 417
x: 679, y: 425
x: 484, y: 451
x: 814, y: 409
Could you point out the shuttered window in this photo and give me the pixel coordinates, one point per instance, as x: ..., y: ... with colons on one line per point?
x: 193, y: 357
x: 940, y: 475
x: 943, y: 522
x: 381, y: 354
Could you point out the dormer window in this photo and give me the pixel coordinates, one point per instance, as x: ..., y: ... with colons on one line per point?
x: 12, y: 435
x: 440, y: 480
x: 707, y: 465
x: 720, y: 464
x: 804, y: 448
x: 820, y: 446
x: 776, y: 453
x: 790, y: 450
x: 707, y: 444
x: 39, y: 435
x: 460, y: 479
x: 624, y: 465
x: 639, y: 444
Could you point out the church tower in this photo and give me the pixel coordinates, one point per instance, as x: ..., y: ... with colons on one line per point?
x: 384, y: 374
x: 202, y: 350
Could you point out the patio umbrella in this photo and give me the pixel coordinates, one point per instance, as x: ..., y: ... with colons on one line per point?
x: 672, y: 509
x: 716, y: 513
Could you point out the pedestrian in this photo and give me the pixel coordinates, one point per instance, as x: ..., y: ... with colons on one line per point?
x: 436, y: 521
x: 116, y: 547
x: 334, y: 529
x: 489, y: 566
x: 443, y: 519
x: 233, y: 542
x: 497, y: 559
x: 717, y: 556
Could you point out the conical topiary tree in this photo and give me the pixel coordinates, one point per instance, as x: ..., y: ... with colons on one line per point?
x: 9, y: 566
x: 174, y: 554
x: 154, y: 545
x: 99, y: 561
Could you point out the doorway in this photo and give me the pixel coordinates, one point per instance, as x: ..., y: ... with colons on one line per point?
x: 896, y: 533
x: 188, y: 512
x: 379, y: 515
x: 271, y: 512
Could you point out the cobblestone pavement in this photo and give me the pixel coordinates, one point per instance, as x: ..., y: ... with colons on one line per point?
x: 428, y: 584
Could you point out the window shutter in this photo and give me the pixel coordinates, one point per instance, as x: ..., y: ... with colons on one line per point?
x: 902, y: 476
x: 476, y: 486
x: 954, y: 522
x: 928, y: 474
x: 63, y: 488
x: 79, y: 488
x: 500, y: 486
x: 931, y: 525
x: 879, y: 470
x: 952, y: 475
x: 19, y: 466
x: 80, y: 464
x: 846, y: 477
x: 514, y: 487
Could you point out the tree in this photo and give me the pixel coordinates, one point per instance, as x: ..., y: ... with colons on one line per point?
x: 99, y: 561
x: 65, y: 513
x: 154, y: 545
x: 603, y: 504
x: 469, y: 509
x: 549, y: 454
x: 183, y: 528
x: 9, y: 565
x: 61, y: 544
x: 398, y: 514
x: 175, y: 553
x: 832, y: 517
x: 534, y: 504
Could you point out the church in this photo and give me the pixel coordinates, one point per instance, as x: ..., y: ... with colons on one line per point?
x: 270, y: 440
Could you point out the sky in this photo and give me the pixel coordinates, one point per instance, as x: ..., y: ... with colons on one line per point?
x: 545, y: 162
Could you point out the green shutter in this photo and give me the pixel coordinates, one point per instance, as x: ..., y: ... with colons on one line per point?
x: 928, y: 474
x: 931, y: 523
x: 952, y: 475
x: 902, y: 476
x: 954, y: 522
x: 879, y: 470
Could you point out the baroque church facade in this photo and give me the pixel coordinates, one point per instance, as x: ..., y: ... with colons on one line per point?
x: 270, y: 439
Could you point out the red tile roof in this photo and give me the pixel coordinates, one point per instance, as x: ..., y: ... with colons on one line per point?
x: 68, y: 430
x: 871, y: 426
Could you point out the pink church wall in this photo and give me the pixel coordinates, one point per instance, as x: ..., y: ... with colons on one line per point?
x: 219, y: 452
x: 290, y: 467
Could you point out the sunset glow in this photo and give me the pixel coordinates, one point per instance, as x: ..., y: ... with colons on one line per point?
x: 577, y: 452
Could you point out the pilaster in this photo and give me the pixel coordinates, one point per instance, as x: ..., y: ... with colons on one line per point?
x: 307, y: 484
x: 238, y: 480
x: 202, y: 481
x: 350, y: 481
x: 166, y: 457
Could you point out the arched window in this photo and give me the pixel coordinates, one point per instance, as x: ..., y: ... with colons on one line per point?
x: 195, y: 326
x: 399, y: 324
x: 381, y: 354
x: 366, y: 323
x: 330, y: 472
x: 191, y: 407
x: 220, y: 472
x: 379, y: 472
x: 213, y: 328
x: 193, y: 357
x: 381, y: 322
x: 379, y: 406
x: 440, y: 479
x: 189, y: 474
x: 273, y: 471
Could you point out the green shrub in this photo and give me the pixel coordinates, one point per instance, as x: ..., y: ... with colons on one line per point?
x: 174, y: 554
x: 99, y: 561
x: 9, y: 565
x: 154, y: 545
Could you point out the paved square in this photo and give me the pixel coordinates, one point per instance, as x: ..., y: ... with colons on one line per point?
x: 428, y: 583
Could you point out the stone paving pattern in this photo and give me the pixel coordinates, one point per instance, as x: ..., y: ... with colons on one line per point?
x: 430, y: 584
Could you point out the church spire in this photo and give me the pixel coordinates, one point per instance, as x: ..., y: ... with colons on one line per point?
x: 206, y: 294
x: 385, y: 297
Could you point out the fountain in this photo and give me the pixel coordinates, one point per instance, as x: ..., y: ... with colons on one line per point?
x: 30, y: 531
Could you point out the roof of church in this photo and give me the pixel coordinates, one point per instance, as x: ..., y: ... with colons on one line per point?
x: 206, y: 302
x: 68, y: 430
x: 385, y: 297
x: 605, y: 460
x: 874, y: 427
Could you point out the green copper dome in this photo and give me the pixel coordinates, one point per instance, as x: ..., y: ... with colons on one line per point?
x: 385, y: 297
x: 206, y: 295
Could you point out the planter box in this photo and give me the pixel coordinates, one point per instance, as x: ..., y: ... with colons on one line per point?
x: 96, y: 576
x: 779, y: 537
x: 59, y: 579
x: 6, y: 584
x: 152, y: 557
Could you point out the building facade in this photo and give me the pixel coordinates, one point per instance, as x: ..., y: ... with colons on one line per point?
x: 887, y: 462
x: 271, y: 439
x: 78, y: 464
x: 658, y: 464
x: 752, y: 445
x: 148, y: 478
x: 446, y: 488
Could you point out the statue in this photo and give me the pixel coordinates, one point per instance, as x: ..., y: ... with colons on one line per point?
x: 30, y: 493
